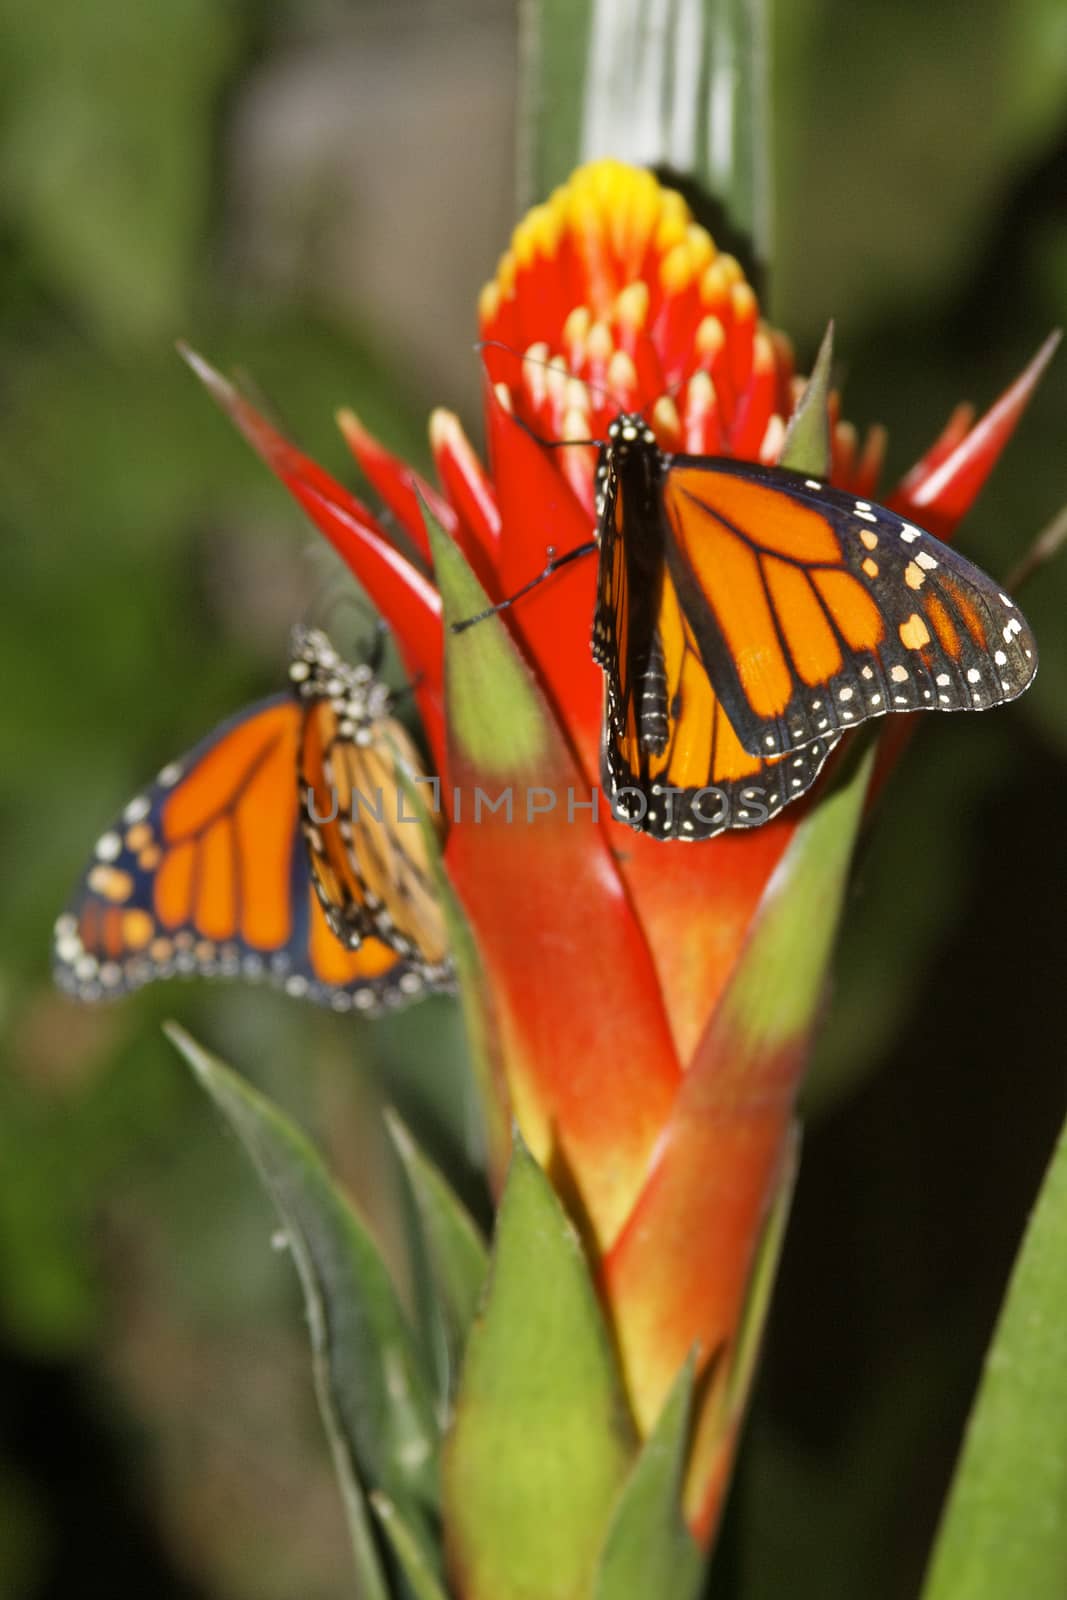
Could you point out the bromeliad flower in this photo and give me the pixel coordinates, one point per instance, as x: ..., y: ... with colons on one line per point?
x: 641, y: 1011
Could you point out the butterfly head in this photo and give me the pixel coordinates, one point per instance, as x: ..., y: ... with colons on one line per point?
x: 631, y: 452
x: 317, y: 672
x: 628, y: 433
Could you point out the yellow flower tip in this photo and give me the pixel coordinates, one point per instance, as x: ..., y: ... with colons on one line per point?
x: 576, y: 327
x: 533, y: 375
x: 676, y: 269
x: 558, y: 198
x: 666, y: 423
x: 524, y: 242
x: 674, y: 208
x: 700, y: 394
x: 670, y: 232
x: 743, y: 302
x: 874, y: 448
x: 614, y: 214
x: 631, y: 306
x: 547, y: 231
x: 446, y: 431
x: 639, y: 221
x: 702, y: 250
x: 710, y: 337
x: 506, y: 273
x: 584, y: 214
x: 354, y: 433
x: 608, y: 180
x: 784, y: 348
x: 773, y: 439
x: 714, y: 286
x: 763, y: 355
x: 732, y: 268
x: 622, y: 375
x: 503, y: 395
x: 576, y: 395
x: 536, y: 235
x: 600, y: 343
x: 557, y: 376
x: 575, y: 427
x: 488, y: 304
x: 845, y: 440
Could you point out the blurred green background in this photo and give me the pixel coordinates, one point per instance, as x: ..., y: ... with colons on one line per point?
x: 313, y: 193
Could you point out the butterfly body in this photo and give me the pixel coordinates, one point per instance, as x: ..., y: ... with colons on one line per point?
x: 207, y: 871
x: 748, y: 615
x: 369, y: 864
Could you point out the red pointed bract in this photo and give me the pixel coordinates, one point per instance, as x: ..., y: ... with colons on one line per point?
x: 939, y: 497
x: 554, y: 621
x: 408, y: 600
x: 401, y: 488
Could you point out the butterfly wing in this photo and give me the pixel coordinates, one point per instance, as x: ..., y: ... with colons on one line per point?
x: 369, y: 860
x: 205, y: 872
x: 671, y: 760
x: 813, y: 611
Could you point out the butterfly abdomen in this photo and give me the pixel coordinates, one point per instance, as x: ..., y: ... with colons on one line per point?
x: 653, y: 725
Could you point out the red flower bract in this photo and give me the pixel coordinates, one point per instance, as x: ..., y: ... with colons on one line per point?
x: 609, y: 956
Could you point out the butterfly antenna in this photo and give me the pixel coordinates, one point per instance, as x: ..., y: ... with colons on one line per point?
x: 407, y: 691
x: 333, y: 587
x: 552, y: 565
x: 550, y: 366
x: 376, y: 653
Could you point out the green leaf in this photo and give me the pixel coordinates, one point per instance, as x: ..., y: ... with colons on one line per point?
x: 372, y: 1393
x: 542, y: 1438
x: 421, y: 1577
x: 806, y: 447
x: 774, y: 994
x: 1004, y: 1531
x: 455, y: 1250
x: 491, y: 1113
x: 649, y: 1550
x: 684, y: 89
x: 496, y: 717
x: 761, y: 1285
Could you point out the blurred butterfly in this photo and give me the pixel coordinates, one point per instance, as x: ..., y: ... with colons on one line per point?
x: 747, y: 616
x: 271, y: 851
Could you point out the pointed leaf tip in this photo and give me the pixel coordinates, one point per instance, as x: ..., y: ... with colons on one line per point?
x: 648, y: 1549
x: 498, y: 722
x: 411, y: 1556
x: 456, y: 1255
x: 1004, y: 1529
x: 806, y: 447
x: 372, y: 1391
x: 540, y: 1388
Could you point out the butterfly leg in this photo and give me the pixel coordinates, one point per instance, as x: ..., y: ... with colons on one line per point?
x: 552, y: 565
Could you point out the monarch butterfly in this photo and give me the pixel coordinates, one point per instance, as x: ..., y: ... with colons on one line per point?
x: 747, y: 616
x: 207, y: 871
